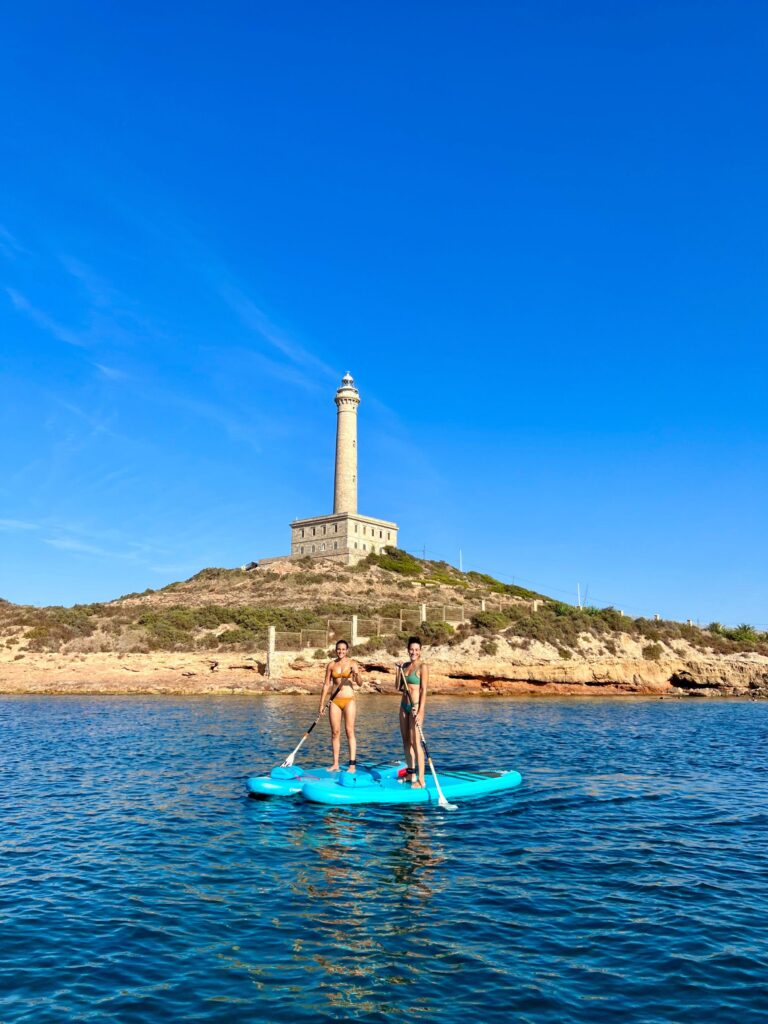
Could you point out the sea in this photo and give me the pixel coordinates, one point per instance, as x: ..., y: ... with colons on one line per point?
x: 626, y: 880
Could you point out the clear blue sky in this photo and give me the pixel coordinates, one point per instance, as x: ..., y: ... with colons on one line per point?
x: 535, y: 233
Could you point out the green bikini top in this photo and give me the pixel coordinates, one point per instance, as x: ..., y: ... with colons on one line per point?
x: 413, y: 679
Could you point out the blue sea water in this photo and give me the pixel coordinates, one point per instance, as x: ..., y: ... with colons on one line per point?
x: 626, y: 880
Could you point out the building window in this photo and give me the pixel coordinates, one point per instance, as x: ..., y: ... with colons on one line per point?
x: 301, y: 550
x: 313, y: 532
x: 323, y: 531
x: 355, y: 543
x: 302, y: 533
x: 355, y: 530
x: 335, y: 545
x: 313, y: 549
x: 381, y: 533
x: 387, y: 534
x: 322, y: 547
x: 335, y: 527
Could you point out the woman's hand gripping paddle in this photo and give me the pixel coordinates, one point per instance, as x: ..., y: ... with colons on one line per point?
x: 289, y: 760
x: 440, y: 795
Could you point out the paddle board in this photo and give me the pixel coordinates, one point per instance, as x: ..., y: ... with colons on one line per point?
x: 289, y: 781
x: 373, y: 788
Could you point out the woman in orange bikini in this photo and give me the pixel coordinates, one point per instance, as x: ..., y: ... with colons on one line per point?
x: 342, y: 672
x: 413, y: 677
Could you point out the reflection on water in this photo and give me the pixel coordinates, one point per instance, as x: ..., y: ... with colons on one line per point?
x: 623, y: 880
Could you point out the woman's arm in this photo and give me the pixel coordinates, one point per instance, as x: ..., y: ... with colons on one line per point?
x: 357, y: 672
x: 326, y: 685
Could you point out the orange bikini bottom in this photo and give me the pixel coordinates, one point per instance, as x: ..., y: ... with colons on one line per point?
x: 341, y: 702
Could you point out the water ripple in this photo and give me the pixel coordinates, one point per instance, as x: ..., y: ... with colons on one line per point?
x: 625, y: 880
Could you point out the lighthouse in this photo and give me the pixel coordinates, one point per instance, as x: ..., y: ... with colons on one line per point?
x: 345, y: 478
x: 344, y: 536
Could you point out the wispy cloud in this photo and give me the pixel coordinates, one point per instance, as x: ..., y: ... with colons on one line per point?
x: 68, y: 544
x: 263, y: 365
x: 97, y: 424
x: 130, y: 551
x: 110, y: 372
x: 16, y: 525
x: 255, y: 319
x: 235, y: 427
x: 43, y: 320
x: 101, y: 292
x: 9, y: 247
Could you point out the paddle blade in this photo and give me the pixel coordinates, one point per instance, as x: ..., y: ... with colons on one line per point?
x: 446, y: 806
x: 288, y: 762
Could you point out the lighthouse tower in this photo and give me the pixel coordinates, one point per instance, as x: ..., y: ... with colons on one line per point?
x: 344, y: 536
x: 345, y: 480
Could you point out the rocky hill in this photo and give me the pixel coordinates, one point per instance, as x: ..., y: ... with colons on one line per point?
x: 209, y: 634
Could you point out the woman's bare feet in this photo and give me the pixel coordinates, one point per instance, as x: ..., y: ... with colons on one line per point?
x: 334, y: 768
x: 417, y: 783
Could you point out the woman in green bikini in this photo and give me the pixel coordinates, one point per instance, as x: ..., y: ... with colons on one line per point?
x: 413, y: 678
x: 340, y: 674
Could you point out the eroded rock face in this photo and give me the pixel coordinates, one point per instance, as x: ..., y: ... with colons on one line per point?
x: 460, y: 670
x: 540, y: 671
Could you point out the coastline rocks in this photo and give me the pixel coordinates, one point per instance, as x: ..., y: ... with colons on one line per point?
x: 460, y: 670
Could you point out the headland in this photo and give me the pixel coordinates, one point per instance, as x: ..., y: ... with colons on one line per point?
x: 211, y: 634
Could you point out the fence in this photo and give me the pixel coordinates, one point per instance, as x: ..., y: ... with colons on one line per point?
x: 358, y: 629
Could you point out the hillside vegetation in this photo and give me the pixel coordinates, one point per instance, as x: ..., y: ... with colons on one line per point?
x: 230, y: 610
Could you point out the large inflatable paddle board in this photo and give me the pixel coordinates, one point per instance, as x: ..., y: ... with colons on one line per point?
x: 289, y: 781
x: 374, y: 788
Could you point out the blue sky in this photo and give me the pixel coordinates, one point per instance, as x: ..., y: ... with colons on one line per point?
x: 534, y: 233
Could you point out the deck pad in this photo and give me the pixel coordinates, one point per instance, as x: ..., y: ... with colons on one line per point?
x: 289, y: 781
x: 389, y: 789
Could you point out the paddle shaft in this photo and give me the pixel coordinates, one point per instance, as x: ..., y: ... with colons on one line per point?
x: 289, y: 760
x: 440, y: 795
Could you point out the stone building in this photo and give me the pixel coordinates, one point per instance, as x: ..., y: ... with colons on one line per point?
x: 345, y: 535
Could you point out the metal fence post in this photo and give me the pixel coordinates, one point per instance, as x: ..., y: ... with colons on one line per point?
x: 270, y: 649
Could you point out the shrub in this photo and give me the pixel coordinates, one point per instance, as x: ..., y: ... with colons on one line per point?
x: 395, y: 645
x: 394, y: 560
x: 744, y: 634
x: 373, y: 643
x: 489, y: 647
x: 652, y: 652
x: 53, y: 627
x: 435, y: 632
x: 237, y: 636
x: 497, y: 587
x: 487, y: 623
x: 208, y: 576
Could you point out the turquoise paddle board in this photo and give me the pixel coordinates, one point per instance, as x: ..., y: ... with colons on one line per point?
x: 374, y: 788
x: 289, y: 781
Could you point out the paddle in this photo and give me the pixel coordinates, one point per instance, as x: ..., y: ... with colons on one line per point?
x: 440, y: 795
x: 289, y: 760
